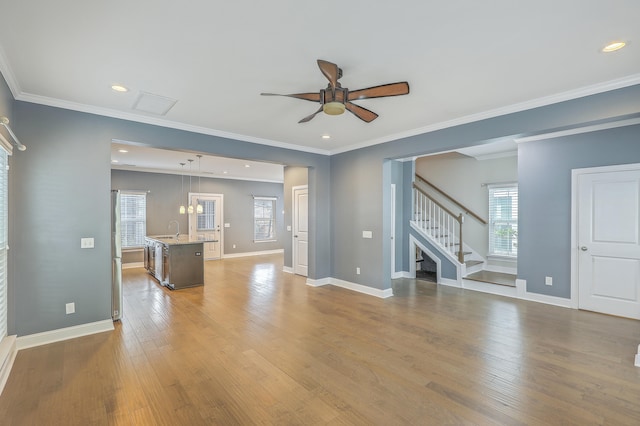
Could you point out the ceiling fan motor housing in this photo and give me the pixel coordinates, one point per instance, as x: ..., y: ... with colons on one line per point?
x: 333, y: 100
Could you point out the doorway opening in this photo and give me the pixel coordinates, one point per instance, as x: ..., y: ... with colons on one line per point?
x: 426, y: 268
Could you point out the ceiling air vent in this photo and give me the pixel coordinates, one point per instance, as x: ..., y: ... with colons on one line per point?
x: 154, y: 104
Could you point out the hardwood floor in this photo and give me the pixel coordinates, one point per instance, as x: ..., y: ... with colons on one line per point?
x: 258, y: 346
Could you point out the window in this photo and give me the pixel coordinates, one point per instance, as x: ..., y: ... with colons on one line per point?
x: 264, y: 219
x: 133, y: 218
x: 207, y: 219
x: 503, y: 220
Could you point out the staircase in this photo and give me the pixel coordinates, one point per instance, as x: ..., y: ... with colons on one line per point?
x: 443, y: 229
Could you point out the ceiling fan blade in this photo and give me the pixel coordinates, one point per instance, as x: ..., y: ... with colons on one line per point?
x: 360, y: 112
x: 331, y: 71
x: 309, y: 117
x: 392, y: 89
x: 314, y: 97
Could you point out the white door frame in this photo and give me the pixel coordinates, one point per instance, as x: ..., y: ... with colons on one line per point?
x: 221, y: 233
x: 575, y: 174
x: 394, y: 274
x: 294, y: 213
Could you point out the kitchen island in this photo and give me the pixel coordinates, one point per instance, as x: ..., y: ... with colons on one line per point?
x: 175, y: 261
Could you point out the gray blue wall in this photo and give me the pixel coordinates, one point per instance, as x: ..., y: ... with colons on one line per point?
x: 163, y: 202
x: 544, y: 223
x: 59, y: 192
x: 61, y: 186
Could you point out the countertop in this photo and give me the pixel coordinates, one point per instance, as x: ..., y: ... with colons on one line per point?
x: 171, y: 240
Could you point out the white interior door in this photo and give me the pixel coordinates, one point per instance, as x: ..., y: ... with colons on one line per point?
x: 609, y: 242
x: 301, y: 230
x: 207, y: 225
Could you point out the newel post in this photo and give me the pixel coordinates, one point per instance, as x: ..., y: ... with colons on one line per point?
x: 460, y: 247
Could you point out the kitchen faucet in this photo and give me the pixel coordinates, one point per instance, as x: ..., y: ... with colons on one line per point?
x: 177, y: 227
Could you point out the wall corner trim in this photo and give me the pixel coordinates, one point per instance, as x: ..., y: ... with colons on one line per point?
x: 8, y: 353
x: 52, y: 336
x: 382, y: 294
x: 287, y: 269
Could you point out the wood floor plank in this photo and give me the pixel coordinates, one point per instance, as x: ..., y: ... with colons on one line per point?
x: 255, y: 345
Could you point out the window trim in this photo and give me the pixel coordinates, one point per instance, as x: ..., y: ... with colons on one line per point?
x: 272, y: 237
x: 124, y: 193
x: 509, y: 186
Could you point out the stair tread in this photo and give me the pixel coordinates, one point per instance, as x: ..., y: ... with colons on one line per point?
x: 473, y: 262
x: 491, y: 277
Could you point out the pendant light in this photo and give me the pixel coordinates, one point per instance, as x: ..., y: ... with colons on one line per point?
x: 183, y: 210
x: 190, y: 208
x: 199, y: 208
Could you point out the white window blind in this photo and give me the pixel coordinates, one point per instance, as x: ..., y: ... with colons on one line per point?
x: 4, y: 239
x: 264, y: 218
x: 503, y: 220
x: 133, y: 218
x: 207, y: 219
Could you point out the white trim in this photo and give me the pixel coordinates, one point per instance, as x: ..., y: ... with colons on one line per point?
x: 575, y: 174
x: 580, y: 130
x: 510, y: 109
x: 497, y: 289
x: 106, y: 112
x: 450, y: 283
x: 521, y: 286
x: 287, y: 269
x: 294, y: 213
x: 132, y: 265
x: 502, y: 269
x: 396, y: 275
x: 250, y: 253
x: 52, y: 336
x: 383, y: 294
x: 8, y: 351
x: 606, y: 86
x: 318, y: 283
x: 637, y: 363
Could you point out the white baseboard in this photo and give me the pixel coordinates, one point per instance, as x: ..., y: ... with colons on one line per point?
x: 46, y: 337
x: 449, y: 282
x: 252, y: 253
x: 318, y: 283
x: 8, y: 351
x: 287, y: 269
x: 521, y: 286
x: 132, y: 265
x: 383, y: 294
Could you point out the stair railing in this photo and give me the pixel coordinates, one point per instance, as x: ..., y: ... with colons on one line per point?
x: 438, y: 222
x: 453, y: 200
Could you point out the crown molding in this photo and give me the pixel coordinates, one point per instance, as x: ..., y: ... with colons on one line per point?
x: 510, y: 109
x: 579, y: 130
x: 106, y: 112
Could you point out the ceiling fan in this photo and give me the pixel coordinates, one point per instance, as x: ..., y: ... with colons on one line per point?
x: 335, y: 99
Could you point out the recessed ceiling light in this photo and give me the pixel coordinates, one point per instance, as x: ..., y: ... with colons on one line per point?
x: 123, y: 151
x: 114, y: 161
x: 612, y: 47
x: 326, y: 136
x: 247, y: 166
x: 225, y: 172
x: 119, y: 88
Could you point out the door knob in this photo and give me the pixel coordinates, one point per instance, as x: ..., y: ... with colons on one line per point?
x: 584, y: 248
x: 295, y: 236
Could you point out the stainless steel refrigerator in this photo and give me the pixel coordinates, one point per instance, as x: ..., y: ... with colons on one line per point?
x: 116, y: 258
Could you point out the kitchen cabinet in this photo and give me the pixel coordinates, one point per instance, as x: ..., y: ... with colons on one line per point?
x: 176, y: 262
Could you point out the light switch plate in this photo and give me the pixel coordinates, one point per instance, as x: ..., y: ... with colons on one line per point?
x: 70, y: 308
x: 227, y: 225
x: 289, y: 228
x: 87, y: 243
x: 367, y: 234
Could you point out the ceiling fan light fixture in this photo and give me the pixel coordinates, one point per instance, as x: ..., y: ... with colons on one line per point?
x: 612, y: 47
x: 333, y: 108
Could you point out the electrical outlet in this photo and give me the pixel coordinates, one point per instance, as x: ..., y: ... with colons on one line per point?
x: 70, y: 308
x: 86, y: 243
x: 548, y: 280
x: 234, y: 246
x: 358, y: 271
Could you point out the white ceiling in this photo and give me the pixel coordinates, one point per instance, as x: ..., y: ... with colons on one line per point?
x: 464, y: 60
